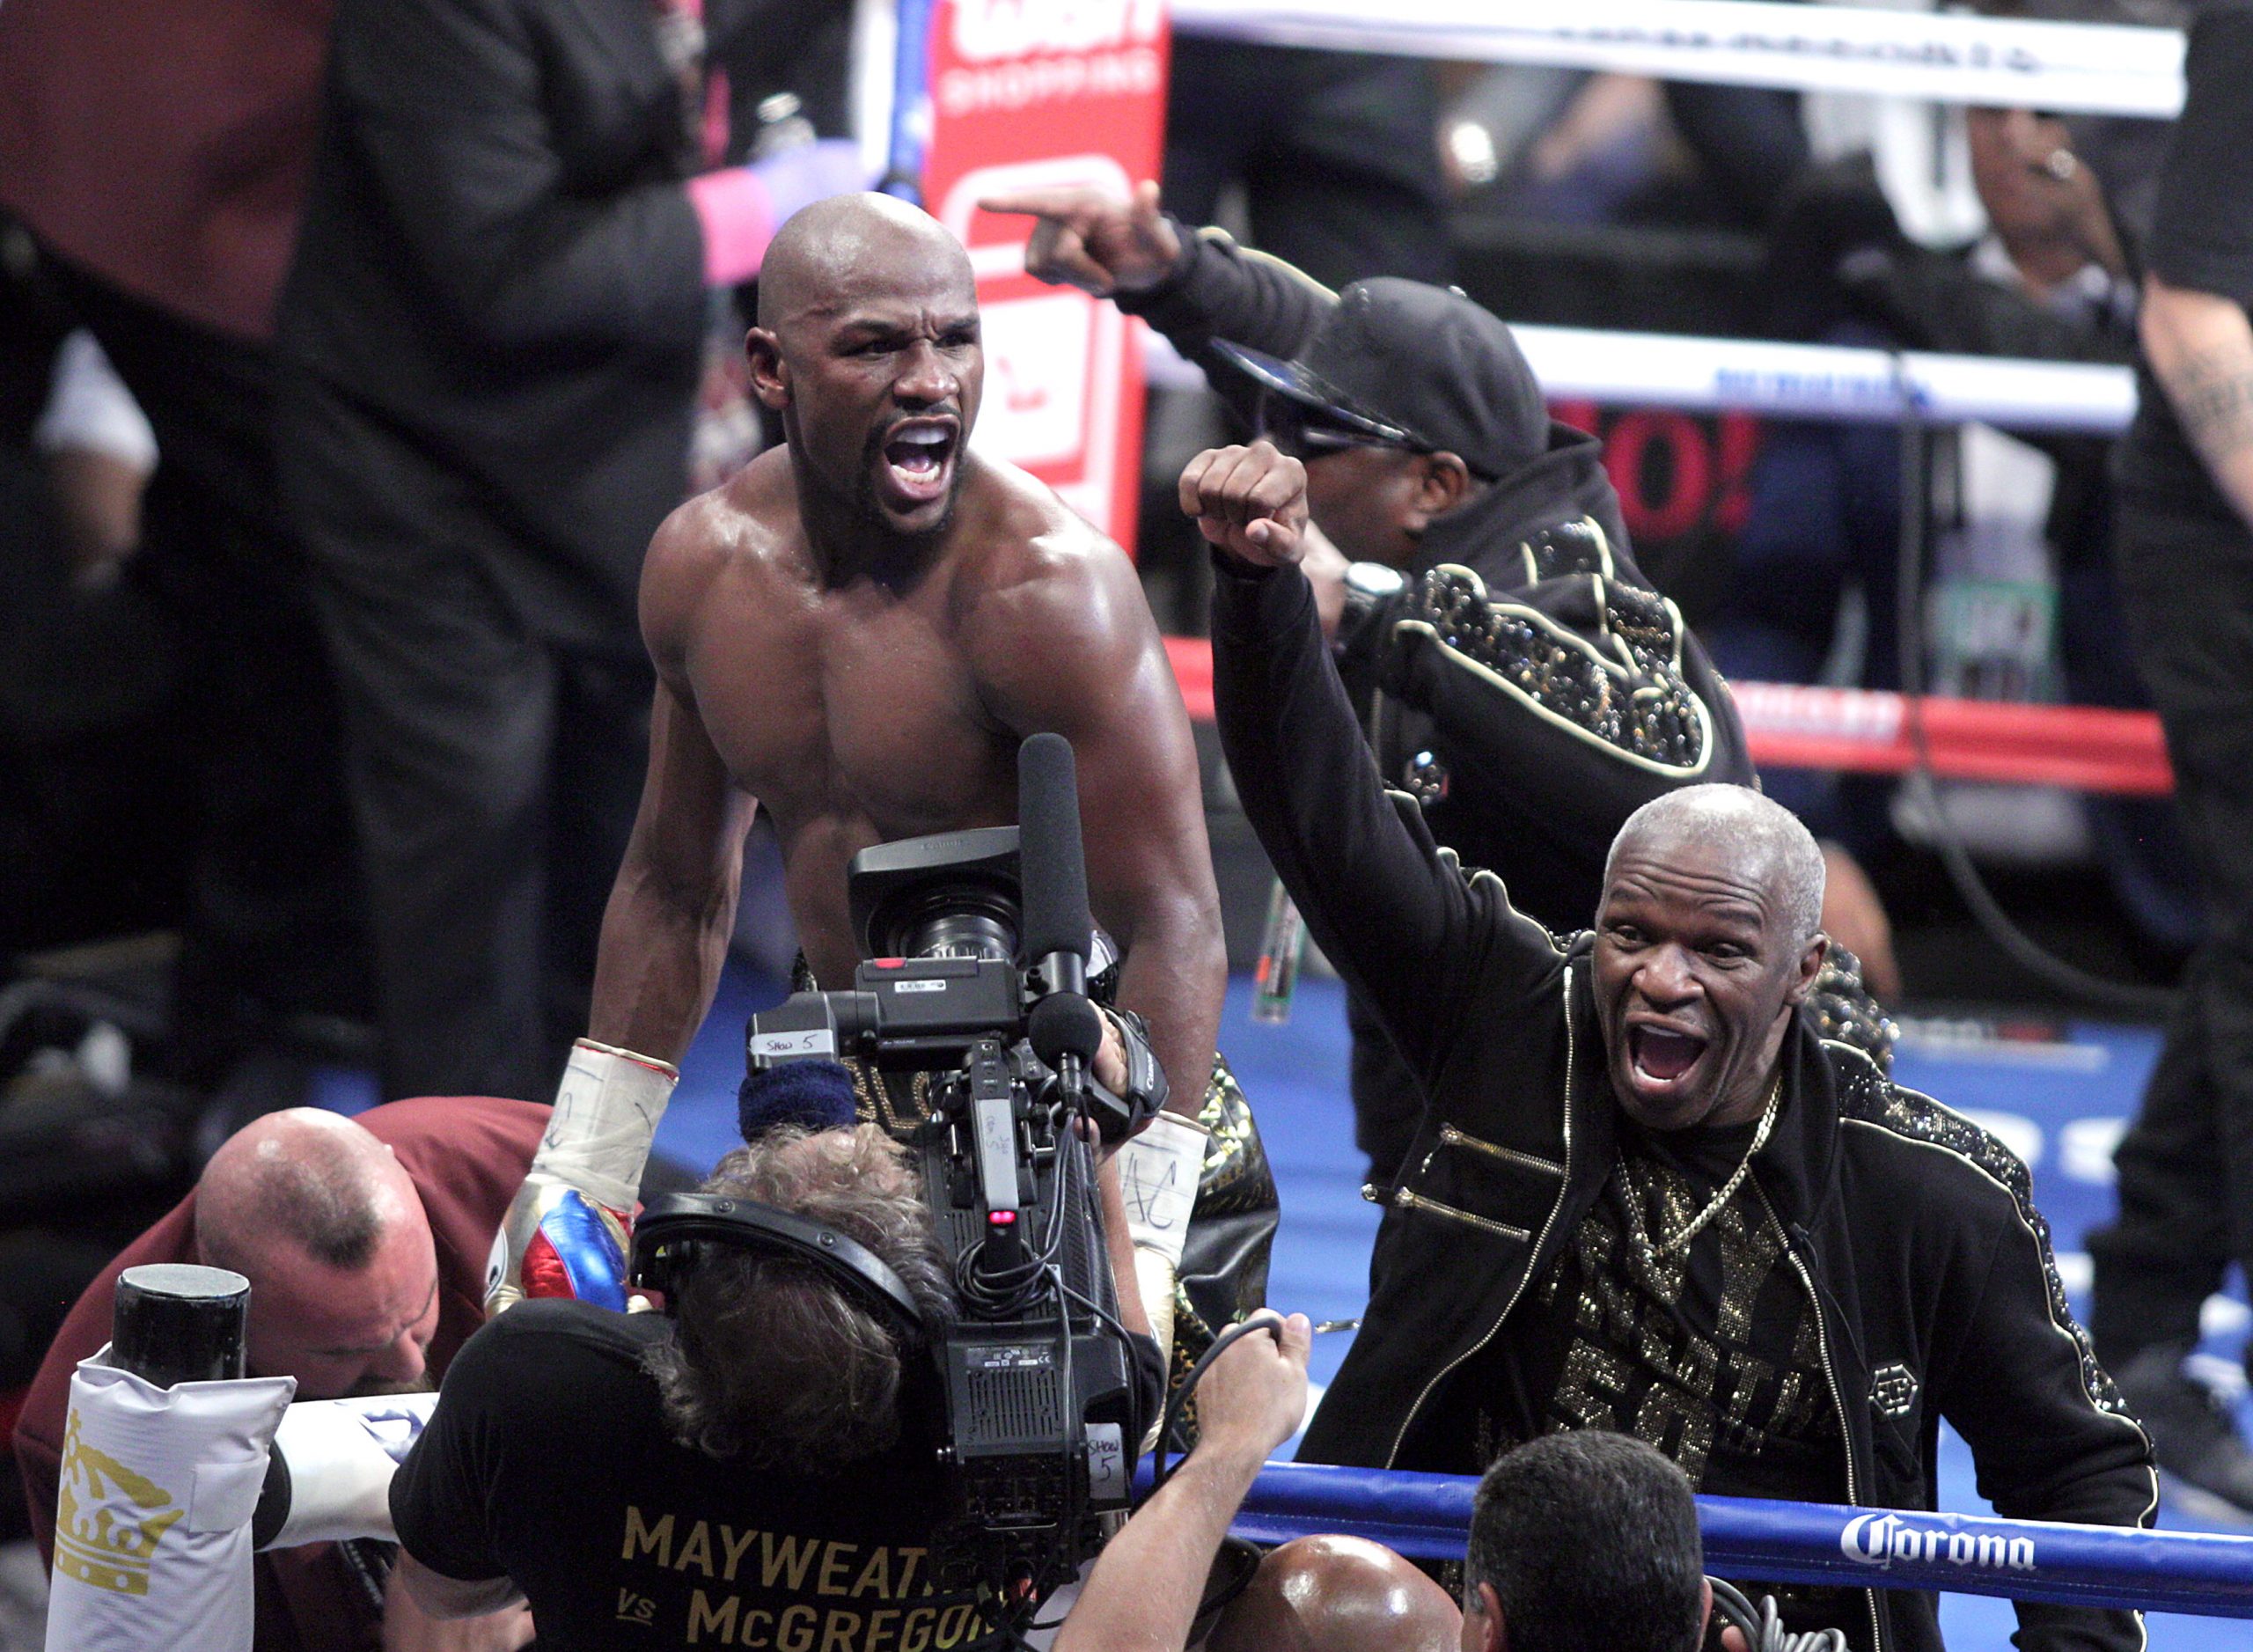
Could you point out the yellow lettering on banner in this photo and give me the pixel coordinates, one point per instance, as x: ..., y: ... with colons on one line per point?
x: 696, y: 1551
x: 735, y: 1547
x: 880, y: 1629
x: 702, y: 1616
x: 795, y: 1631
x: 751, y: 1618
x: 794, y: 1561
x: 876, y: 1576
x: 908, y: 1562
x: 915, y: 1629
x: 834, y: 1558
x: 640, y: 1536
x: 840, y: 1626
x: 962, y: 1622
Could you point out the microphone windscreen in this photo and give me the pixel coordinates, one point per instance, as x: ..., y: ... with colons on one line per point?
x: 1052, y: 868
x: 1064, y: 1023
x: 814, y: 1095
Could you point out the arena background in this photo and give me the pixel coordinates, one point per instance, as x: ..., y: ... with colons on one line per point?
x: 1665, y: 256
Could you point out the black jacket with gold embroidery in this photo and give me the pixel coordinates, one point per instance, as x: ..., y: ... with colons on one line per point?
x: 1910, y: 1228
x: 1555, y: 689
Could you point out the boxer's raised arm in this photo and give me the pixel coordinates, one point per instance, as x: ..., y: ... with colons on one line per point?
x: 1070, y: 646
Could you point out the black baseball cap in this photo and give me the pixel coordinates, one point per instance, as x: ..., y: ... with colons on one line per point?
x: 1413, y: 366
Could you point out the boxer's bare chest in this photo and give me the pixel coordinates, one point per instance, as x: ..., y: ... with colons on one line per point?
x: 854, y: 715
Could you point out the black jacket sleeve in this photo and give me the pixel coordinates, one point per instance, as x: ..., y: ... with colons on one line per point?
x: 2049, y: 1439
x: 1221, y: 290
x: 1408, y: 931
x: 2202, y: 232
x: 458, y: 108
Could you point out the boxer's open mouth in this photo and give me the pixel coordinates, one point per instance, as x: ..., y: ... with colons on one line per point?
x: 1663, y: 1055
x: 919, y: 456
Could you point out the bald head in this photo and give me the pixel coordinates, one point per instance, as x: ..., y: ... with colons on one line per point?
x: 1338, y: 1594
x: 307, y: 1179
x: 843, y: 247
x: 1761, y: 839
x: 331, y: 1232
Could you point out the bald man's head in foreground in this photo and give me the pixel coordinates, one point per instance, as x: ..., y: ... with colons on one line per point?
x: 329, y: 1230
x: 1338, y: 1594
x: 867, y: 346
x: 1708, y: 938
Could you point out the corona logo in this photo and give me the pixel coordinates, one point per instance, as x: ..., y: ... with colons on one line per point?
x: 108, y: 1520
x: 1880, y: 1539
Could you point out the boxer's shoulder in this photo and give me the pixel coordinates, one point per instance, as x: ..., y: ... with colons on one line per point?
x: 752, y: 518
x: 745, y: 529
x: 1023, y: 545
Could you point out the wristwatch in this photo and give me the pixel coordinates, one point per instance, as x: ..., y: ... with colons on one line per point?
x: 1369, y: 586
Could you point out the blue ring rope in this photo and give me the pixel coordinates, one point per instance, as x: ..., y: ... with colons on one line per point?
x: 1427, y: 1516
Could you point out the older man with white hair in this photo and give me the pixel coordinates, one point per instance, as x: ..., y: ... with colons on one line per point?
x: 1646, y: 1195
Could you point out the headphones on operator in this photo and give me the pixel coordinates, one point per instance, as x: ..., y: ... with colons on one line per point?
x: 672, y: 1229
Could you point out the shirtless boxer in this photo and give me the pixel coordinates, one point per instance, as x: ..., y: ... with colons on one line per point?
x: 857, y: 631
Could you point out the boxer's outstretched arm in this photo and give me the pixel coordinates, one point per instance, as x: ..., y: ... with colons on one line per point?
x: 665, y: 933
x: 1070, y: 646
x: 664, y: 936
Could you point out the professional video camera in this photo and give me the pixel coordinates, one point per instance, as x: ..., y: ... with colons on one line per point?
x: 976, y: 977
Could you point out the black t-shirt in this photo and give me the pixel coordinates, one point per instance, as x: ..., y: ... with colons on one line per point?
x: 1710, y: 1351
x: 2202, y: 233
x: 548, y: 1461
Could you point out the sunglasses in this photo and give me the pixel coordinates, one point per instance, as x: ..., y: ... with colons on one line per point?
x: 1305, y: 433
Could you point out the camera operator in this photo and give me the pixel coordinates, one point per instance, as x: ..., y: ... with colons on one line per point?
x: 751, y: 1467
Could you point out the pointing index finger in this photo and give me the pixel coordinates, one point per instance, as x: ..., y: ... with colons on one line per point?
x: 1039, y: 203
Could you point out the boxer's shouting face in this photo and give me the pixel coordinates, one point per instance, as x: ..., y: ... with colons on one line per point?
x: 870, y: 349
x: 1697, y: 973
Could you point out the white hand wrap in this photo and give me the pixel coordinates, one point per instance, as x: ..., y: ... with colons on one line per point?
x: 606, y: 1114
x: 1158, y: 1171
x: 152, y: 1519
x: 342, y: 1455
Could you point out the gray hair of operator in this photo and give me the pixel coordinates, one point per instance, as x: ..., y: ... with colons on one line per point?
x: 772, y: 1361
x: 1755, y: 827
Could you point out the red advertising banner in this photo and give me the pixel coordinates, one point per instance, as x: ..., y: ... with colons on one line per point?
x: 1027, y: 94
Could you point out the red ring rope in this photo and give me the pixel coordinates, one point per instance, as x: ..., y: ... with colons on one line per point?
x: 1789, y: 726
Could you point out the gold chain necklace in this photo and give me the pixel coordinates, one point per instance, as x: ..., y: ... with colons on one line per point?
x: 1666, y: 1247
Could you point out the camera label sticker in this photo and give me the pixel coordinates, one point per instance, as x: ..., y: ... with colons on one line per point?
x: 812, y: 1041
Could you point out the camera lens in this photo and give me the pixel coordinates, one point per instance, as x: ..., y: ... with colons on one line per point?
x: 962, y: 933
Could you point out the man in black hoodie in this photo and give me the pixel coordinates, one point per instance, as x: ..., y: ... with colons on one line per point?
x: 1513, y: 669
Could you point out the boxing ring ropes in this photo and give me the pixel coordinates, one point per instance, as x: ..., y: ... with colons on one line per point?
x: 2058, y: 67
x: 2109, y: 69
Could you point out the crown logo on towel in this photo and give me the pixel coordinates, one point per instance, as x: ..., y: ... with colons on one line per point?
x: 96, y: 1540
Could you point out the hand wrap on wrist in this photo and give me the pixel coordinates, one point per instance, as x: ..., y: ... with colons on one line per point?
x: 569, y: 1229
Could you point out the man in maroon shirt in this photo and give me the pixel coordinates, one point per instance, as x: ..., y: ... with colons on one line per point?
x: 365, y: 1243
